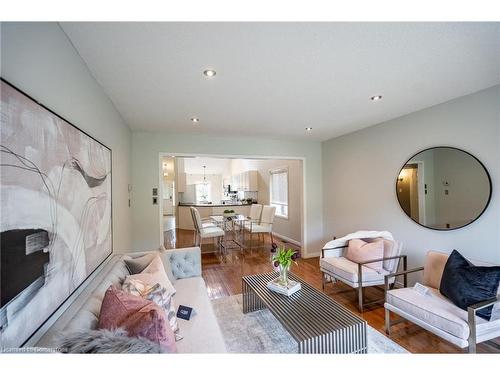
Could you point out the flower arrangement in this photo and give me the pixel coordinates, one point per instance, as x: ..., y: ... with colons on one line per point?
x: 282, y: 259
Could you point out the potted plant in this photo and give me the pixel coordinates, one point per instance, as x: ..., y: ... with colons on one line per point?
x: 282, y: 259
x: 229, y: 213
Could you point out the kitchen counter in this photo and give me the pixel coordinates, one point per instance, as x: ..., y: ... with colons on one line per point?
x: 185, y: 221
x: 213, y: 204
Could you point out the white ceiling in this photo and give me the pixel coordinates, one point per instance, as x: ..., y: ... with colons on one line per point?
x: 213, y: 165
x: 275, y: 79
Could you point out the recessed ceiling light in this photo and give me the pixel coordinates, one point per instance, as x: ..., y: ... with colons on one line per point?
x: 210, y: 72
x: 309, y: 129
x: 195, y: 119
x: 376, y: 98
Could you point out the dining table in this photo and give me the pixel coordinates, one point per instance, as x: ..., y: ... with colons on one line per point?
x: 228, y: 225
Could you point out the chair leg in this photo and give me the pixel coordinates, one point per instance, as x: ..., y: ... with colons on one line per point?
x: 387, y: 322
x: 323, y: 280
x: 272, y: 238
x: 360, y: 298
x: 471, y: 320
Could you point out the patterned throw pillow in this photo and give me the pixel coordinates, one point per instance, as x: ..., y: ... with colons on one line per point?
x: 158, y: 295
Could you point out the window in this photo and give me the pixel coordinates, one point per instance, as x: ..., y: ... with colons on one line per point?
x: 203, y: 192
x: 278, y: 192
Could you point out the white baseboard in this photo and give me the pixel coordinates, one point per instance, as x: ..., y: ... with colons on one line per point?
x: 287, y: 239
x: 313, y: 255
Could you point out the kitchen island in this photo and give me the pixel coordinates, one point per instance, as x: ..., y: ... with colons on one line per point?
x: 185, y: 221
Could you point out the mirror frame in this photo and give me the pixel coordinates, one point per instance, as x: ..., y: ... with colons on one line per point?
x: 452, y: 148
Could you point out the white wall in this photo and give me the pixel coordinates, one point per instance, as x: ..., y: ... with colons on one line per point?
x: 360, y: 169
x: 215, y: 180
x: 39, y: 59
x: 145, y: 153
x: 290, y: 228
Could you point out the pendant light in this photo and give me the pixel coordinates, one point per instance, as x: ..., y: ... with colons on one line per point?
x: 204, y: 176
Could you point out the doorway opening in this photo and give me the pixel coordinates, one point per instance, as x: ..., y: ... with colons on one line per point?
x: 412, y: 190
x: 168, y: 198
x: 214, y: 184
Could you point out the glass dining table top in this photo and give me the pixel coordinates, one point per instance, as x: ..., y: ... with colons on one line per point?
x: 221, y: 218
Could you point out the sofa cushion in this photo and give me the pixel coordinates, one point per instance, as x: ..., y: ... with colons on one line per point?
x: 155, y: 273
x: 348, y: 270
x: 201, y: 333
x: 359, y: 251
x: 136, y: 265
x: 137, y: 316
x: 465, y: 284
x: 159, y: 295
x: 183, y: 262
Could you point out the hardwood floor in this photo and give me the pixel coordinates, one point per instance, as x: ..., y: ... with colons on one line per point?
x: 223, y: 274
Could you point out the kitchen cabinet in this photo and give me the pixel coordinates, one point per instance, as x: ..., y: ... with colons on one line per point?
x: 252, y: 180
x: 235, y: 182
x: 181, y: 182
x: 249, y: 181
x: 245, y: 181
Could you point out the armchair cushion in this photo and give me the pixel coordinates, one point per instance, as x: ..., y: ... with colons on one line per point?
x: 465, y: 284
x: 392, y: 248
x: 433, y: 268
x: 437, y: 311
x: 359, y: 251
x: 348, y: 270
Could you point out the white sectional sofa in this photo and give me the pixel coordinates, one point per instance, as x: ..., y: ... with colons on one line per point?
x: 201, y: 334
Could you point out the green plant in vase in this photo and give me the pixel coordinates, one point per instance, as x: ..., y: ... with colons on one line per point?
x: 282, y: 259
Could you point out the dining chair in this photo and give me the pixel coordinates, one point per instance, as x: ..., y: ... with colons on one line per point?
x: 204, y: 229
x: 263, y: 225
x: 254, y: 215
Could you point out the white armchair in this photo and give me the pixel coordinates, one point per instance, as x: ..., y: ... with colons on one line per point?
x: 336, y: 267
x: 435, y: 313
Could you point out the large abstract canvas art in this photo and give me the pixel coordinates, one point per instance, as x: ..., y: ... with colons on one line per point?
x: 55, y: 188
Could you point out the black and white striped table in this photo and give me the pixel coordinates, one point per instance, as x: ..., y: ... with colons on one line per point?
x: 317, y: 322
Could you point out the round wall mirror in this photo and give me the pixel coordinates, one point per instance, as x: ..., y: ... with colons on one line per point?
x: 443, y: 188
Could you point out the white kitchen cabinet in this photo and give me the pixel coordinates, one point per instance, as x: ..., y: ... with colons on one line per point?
x: 235, y: 182
x: 252, y: 180
x: 181, y: 182
x: 245, y: 181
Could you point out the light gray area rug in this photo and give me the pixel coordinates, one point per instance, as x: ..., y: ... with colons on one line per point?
x: 261, y: 332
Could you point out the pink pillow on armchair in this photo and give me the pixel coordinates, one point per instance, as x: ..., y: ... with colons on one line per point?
x: 359, y: 251
x: 138, y: 316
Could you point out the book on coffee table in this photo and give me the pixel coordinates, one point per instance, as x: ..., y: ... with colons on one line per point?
x: 276, y: 286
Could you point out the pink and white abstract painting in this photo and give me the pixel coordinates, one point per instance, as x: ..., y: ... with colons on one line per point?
x: 56, y: 222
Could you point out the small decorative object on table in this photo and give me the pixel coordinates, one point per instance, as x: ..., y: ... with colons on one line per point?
x: 229, y: 213
x: 282, y: 260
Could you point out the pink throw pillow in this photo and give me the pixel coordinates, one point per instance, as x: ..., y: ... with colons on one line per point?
x: 138, y: 316
x: 359, y: 251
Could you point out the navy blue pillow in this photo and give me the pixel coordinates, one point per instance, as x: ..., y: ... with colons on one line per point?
x: 466, y: 284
